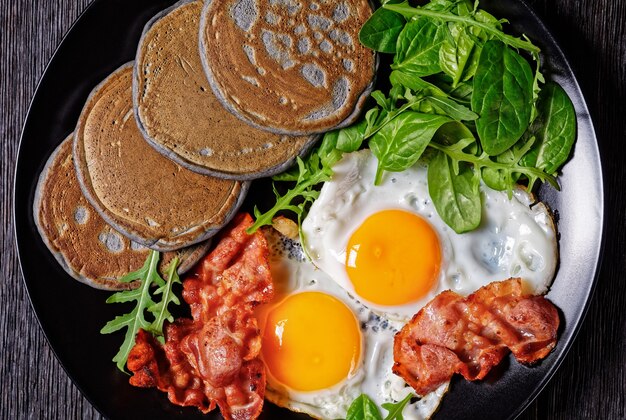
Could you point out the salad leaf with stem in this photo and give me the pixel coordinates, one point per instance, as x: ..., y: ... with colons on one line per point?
x: 363, y: 408
x: 160, y: 309
x: 133, y: 321
x: 491, y: 28
x: 309, y: 172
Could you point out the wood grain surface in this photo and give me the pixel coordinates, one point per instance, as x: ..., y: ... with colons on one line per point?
x: 591, y: 382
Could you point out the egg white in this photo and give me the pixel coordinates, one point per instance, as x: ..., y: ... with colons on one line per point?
x: 514, y: 238
x: 293, y: 273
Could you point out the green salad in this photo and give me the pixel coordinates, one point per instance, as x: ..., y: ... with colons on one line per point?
x: 465, y: 97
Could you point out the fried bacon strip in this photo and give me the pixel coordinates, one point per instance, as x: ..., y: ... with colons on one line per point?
x: 214, y: 357
x: 453, y: 334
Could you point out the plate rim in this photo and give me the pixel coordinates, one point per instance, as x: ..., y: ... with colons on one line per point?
x: 589, y: 291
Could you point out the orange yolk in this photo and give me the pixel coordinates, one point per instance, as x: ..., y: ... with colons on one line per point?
x: 311, y: 341
x: 393, y: 258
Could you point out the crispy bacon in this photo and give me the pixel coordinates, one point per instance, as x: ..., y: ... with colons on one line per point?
x: 213, y: 359
x: 453, y: 334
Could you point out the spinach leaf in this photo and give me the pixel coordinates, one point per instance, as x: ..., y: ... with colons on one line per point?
x: 400, y: 143
x: 327, y: 153
x: 363, y: 408
x: 418, y: 47
x: 461, y: 48
x: 371, y: 117
x: 480, y: 37
x: 497, y: 179
x: 462, y: 93
x: 412, y: 81
x: 349, y: 139
x: 377, y: 120
x: 503, y: 97
x: 455, y: 196
x: 455, y: 52
x: 437, y: 100
x: 452, y: 133
x: 451, y: 108
x: 380, y: 32
x: 382, y: 101
x: 554, y: 128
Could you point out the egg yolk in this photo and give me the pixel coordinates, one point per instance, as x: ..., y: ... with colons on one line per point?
x: 311, y: 341
x: 393, y: 258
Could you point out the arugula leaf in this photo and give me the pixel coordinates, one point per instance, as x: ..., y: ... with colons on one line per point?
x: 492, y: 29
x: 363, y: 408
x: 315, y: 169
x: 395, y: 409
x: 134, y: 320
x: 441, y: 5
x: 160, y: 310
x: 457, y: 153
x: 455, y: 195
x: 418, y: 47
x: 503, y: 97
x: 399, y: 144
x: 380, y: 32
x: 505, y: 179
x: 536, y: 88
x: 555, y: 129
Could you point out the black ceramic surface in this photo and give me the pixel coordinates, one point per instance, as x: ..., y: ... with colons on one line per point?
x: 71, y: 314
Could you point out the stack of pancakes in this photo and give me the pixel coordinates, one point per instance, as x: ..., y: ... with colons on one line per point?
x: 221, y: 92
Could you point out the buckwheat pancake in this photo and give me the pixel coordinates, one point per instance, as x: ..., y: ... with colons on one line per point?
x: 82, y: 242
x: 138, y: 191
x: 288, y: 66
x: 179, y: 115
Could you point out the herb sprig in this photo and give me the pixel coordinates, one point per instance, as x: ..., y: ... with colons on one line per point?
x: 135, y: 320
x: 490, y: 25
x: 363, y: 408
x: 309, y: 172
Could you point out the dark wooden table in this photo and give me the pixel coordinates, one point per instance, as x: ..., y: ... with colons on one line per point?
x: 591, y: 383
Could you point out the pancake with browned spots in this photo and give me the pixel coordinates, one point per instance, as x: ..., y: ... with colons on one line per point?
x: 82, y: 242
x: 138, y: 191
x: 180, y: 116
x: 288, y: 66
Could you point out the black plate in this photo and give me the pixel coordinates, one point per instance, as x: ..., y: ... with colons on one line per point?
x: 71, y: 314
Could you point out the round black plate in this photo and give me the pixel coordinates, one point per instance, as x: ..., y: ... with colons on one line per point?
x: 71, y: 314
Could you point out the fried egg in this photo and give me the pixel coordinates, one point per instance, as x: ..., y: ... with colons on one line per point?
x: 323, y: 349
x: 389, y: 249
